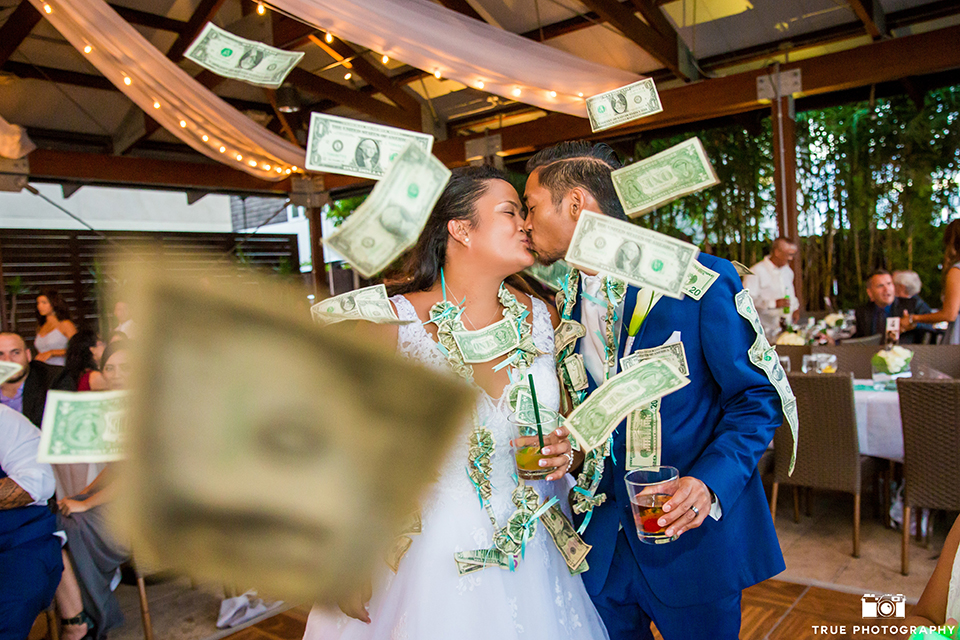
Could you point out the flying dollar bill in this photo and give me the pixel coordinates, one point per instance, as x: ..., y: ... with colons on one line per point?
x: 231, y: 56
x: 391, y: 218
x: 8, y: 370
x: 622, y: 105
x: 87, y: 426
x: 242, y: 403
x: 592, y: 422
x: 355, y: 148
x: 680, y: 170
x: 551, y: 277
x: 369, y: 303
x: 742, y: 269
x: 639, y: 256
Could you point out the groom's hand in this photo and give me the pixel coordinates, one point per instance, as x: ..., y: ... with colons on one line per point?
x: 679, y: 514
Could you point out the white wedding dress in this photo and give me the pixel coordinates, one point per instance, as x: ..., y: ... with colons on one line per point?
x: 427, y: 599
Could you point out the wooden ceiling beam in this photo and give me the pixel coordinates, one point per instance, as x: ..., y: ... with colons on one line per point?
x: 144, y: 19
x: 871, y: 14
x: 347, y: 97
x: 374, y: 77
x: 463, y: 7
x: 203, y: 14
x: 16, y: 29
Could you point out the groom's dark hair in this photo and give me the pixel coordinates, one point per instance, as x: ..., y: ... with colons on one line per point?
x: 579, y: 163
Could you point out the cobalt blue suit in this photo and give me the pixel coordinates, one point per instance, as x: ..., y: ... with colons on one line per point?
x: 714, y: 429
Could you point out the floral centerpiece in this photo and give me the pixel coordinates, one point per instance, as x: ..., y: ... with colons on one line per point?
x: 890, y: 364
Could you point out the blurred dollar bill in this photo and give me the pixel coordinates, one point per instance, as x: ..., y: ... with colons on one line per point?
x: 266, y: 450
x: 616, y: 107
x: 356, y: 148
x: 234, y: 57
x: 680, y: 170
x: 8, y: 370
x: 551, y: 277
x: 391, y: 218
x: 88, y: 426
x: 639, y: 256
x: 592, y: 422
x: 369, y: 303
x: 742, y: 269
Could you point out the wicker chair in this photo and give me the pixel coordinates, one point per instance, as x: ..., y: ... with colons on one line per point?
x: 942, y: 357
x: 828, y: 451
x: 795, y: 353
x: 930, y: 413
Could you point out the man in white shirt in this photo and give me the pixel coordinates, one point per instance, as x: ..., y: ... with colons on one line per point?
x: 125, y: 325
x: 30, y: 560
x: 771, y: 287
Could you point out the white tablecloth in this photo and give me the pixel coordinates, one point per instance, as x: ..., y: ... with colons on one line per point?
x: 878, y: 422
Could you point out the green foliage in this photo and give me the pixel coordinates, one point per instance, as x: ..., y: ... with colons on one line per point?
x: 876, y: 184
x: 341, y: 209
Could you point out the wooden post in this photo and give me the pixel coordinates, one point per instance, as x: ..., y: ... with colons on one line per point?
x: 785, y: 178
x: 314, y: 216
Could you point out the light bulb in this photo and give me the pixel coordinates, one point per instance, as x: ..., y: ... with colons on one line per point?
x: 127, y: 81
x: 205, y: 138
x: 253, y: 163
x: 385, y: 59
x: 328, y: 38
x: 87, y: 49
x: 156, y: 105
x: 266, y: 167
x: 47, y: 8
x: 239, y: 157
x: 294, y: 169
x: 516, y: 92
x: 261, y: 9
x: 222, y: 149
x: 479, y: 84
x: 553, y: 94
x: 183, y: 124
x: 436, y: 74
x: 580, y: 94
x: 347, y: 75
x: 279, y: 169
x: 287, y: 172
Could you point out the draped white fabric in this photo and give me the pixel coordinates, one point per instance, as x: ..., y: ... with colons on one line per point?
x: 186, y: 108
x: 428, y: 36
x: 14, y: 143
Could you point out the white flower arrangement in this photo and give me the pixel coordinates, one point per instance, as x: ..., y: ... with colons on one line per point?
x: 892, y: 361
x: 791, y: 338
x: 835, y: 321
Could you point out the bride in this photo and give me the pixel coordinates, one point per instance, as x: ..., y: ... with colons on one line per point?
x: 482, y: 565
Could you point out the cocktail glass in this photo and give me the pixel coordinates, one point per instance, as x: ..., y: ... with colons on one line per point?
x: 526, y: 444
x: 649, y: 488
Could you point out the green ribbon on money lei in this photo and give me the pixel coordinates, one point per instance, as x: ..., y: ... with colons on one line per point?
x: 584, y: 496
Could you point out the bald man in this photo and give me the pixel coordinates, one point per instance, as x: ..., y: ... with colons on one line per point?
x: 26, y: 392
x: 771, y: 287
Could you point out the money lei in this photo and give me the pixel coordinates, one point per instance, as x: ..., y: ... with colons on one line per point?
x: 584, y: 496
x: 509, y: 541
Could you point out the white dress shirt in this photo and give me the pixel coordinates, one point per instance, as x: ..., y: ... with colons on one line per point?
x: 19, y: 442
x: 768, y: 284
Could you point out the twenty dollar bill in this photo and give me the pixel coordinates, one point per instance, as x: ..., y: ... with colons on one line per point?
x: 639, y: 256
x: 88, y: 426
x: 355, y: 148
x: 231, y: 56
x: 391, y: 218
x: 616, y: 107
x: 680, y: 170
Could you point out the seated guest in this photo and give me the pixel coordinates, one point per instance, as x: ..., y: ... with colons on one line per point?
x: 30, y: 564
x: 872, y: 317
x: 84, y: 351
x: 93, y: 555
x: 907, y: 285
x: 26, y: 392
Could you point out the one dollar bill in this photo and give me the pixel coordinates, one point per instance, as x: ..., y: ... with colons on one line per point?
x: 87, y: 426
x: 551, y: 277
x: 680, y: 170
x: 355, y: 148
x: 369, y: 303
x: 639, y: 256
x: 8, y: 370
x: 623, y: 105
x: 231, y: 56
x: 391, y: 218
x: 592, y: 422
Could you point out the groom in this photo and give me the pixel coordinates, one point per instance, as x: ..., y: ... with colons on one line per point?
x: 713, y: 430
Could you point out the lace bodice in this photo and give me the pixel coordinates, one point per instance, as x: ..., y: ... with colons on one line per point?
x: 414, y: 342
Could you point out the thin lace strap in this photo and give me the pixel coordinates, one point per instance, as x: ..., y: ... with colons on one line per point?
x: 542, y: 325
x: 408, y: 333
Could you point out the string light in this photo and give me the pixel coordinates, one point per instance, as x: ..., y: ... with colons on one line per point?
x: 253, y: 163
x: 328, y: 38
x: 553, y: 94
x: 479, y: 84
x: 205, y: 137
x: 385, y: 59
x: 279, y: 169
x: 261, y: 9
x: 127, y: 81
x: 239, y: 157
x: 183, y: 124
x: 47, y: 8
x: 266, y: 167
x: 294, y: 168
x: 436, y: 74
x: 87, y: 49
x: 156, y: 105
x: 287, y: 172
x: 516, y: 92
x: 580, y: 94
x: 347, y: 75
x: 222, y: 149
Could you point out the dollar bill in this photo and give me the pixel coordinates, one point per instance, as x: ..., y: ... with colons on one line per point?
x: 488, y: 343
x: 576, y: 371
x: 231, y: 56
x: 699, y: 279
x: 742, y: 269
x: 765, y: 358
x: 88, y: 426
x: 356, y: 148
x: 597, y: 417
x: 369, y: 303
x: 632, y: 102
x: 643, y: 439
x: 8, y: 370
x: 472, y: 561
x: 639, y: 256
x: 674, y: 353
x: 551, y: 277
x: 571, y: 546
x: 391, y: 218
x: 402, y: 543
x: 220, y: 448
x: 566, y: 334
x: 680, y: 170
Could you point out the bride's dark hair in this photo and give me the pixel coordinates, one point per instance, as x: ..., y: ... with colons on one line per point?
x: 457, y: 202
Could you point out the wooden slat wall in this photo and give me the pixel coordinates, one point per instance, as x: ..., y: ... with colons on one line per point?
x: 65, y: 260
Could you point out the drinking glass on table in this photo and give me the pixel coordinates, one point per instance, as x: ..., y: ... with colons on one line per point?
x: 810, y: 364
x: 526, y: 448
x: 649, y: 488
x: 785, y: 363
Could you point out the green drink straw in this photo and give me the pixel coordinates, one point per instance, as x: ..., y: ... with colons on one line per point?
x: 536, y: 408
